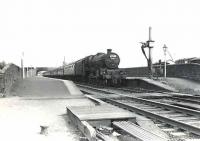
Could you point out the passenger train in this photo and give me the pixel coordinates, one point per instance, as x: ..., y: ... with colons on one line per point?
x: 101, y: 68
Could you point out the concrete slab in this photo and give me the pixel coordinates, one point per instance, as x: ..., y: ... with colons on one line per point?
x: 150, y: 126
x: 137, y: 131
x: 104, y: 111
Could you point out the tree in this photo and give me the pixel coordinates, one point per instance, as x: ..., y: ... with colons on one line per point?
x: 2, y: 64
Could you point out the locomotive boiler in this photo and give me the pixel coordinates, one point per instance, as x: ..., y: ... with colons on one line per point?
x: 101, y: 60
x: 101, y: 68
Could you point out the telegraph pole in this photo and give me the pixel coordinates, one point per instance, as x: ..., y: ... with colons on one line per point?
x: 22, y: 64
x: 64, y: 61
x: 165, y: 65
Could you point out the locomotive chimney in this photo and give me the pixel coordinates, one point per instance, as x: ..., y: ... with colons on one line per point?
x: 109, y: 51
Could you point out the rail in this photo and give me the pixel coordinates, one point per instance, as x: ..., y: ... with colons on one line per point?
x: 173, y: 122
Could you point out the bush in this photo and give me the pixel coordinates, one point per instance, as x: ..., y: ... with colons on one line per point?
x: 2, y: 64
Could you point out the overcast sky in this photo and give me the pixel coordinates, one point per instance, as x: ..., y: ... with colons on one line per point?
x: 48, y: 30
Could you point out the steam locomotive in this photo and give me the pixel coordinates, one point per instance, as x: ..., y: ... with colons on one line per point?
x: 101, y: 68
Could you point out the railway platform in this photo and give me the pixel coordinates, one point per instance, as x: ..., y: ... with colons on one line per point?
x: 184, y: 85
x: 36, y: 102
x: 149, y: 83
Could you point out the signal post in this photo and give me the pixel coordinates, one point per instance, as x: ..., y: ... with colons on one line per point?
x: 149, y: 58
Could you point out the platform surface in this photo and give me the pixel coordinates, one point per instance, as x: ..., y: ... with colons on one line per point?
x: 100, y: 112
x: 153, y: 82
x: 40, y: 87
x: 182, y: 84
x: 40, y: 101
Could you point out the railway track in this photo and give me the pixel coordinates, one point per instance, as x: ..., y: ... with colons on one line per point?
x: 182, y: 102
x: 183, y: 118
x: 111, y: 90
x: 141, y: 90
x: 177, y: 100
x: 193, y: 99
x: 100, y: 90
x: 168, y: 117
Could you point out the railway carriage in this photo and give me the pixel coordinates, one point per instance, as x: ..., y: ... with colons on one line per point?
x: 69, y: 69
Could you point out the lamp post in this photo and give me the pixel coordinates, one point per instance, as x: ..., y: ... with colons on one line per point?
x: 165, y: 67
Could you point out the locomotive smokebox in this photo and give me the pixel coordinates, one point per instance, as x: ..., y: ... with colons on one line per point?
x: 109, y: 51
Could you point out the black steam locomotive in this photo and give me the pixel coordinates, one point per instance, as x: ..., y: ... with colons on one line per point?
x: 98, y: 69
